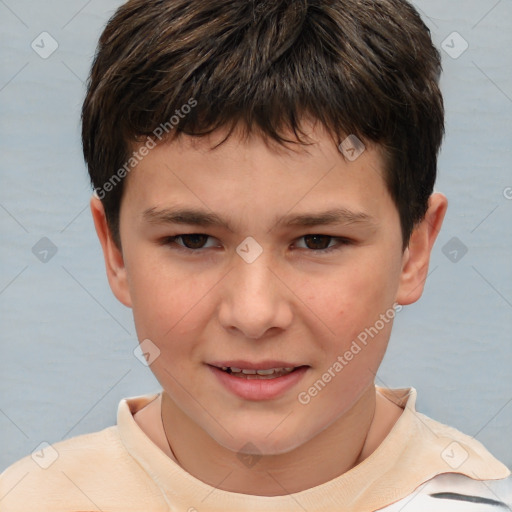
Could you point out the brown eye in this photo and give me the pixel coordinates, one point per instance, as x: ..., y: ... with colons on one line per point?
x: 193, y: 241
x: 322, y: 244
x: 317, y: 242
x: 190, y: 243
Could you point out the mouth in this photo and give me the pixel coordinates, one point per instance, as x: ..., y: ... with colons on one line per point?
x: 265, y: 380
x: 261, y: 374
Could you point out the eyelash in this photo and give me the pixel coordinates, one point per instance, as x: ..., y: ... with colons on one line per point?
x: 171, y: 241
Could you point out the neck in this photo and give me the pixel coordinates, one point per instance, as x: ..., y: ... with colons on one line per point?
x: 334, y: 451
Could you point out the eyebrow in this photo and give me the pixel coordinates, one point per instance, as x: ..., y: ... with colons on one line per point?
x: 204, y: 218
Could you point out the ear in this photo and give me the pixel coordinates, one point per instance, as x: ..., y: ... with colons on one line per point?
x: 416, y: 256
x: 114, y: 263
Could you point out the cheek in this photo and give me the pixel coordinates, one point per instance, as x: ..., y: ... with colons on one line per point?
x: 351, y: 305
x: 357, y: 293
x: 167, y: 301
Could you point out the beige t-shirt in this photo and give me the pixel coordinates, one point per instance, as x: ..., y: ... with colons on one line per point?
x: 121, y: 469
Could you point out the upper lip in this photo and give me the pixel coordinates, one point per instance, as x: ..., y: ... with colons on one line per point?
x: 247, y: 365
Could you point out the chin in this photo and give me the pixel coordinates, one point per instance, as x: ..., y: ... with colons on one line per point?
x: 257, y: 441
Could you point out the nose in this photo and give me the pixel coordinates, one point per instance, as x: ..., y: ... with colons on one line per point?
x: 254, y: 299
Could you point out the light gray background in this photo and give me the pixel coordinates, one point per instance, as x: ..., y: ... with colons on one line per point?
x: 66, y: 344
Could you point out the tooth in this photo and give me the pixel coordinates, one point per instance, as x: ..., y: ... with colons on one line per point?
x: 235, y: 370
x: 289, y: 369
x: 224, y: 368
x: 249, y: 372
x: 266, y: 372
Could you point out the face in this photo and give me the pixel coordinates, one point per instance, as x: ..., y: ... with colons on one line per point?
x: 289, y: 258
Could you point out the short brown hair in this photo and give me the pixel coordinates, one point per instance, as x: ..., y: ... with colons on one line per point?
x: 362, y: 67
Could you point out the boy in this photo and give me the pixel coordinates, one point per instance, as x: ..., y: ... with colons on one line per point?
x: 225, y: 140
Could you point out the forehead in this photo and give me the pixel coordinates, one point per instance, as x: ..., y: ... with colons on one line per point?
x: 250, y: 176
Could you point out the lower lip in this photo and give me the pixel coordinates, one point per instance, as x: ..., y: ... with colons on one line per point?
x: 259, y: 389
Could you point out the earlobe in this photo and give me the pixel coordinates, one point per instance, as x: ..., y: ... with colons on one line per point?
x: 114, y: 262
x: 416, y: 257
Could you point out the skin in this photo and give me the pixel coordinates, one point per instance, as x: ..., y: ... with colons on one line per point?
x: 292, y: 303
